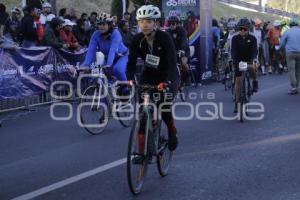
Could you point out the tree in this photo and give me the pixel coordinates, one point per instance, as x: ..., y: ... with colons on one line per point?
x: 117, y: 7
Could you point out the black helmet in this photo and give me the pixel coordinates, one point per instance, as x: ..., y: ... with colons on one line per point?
x: 174, y: 19
x: 244, y: 22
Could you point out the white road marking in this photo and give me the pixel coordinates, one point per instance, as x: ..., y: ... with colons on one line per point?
x: 70, y: 180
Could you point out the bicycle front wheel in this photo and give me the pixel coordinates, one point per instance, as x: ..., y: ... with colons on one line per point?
x: 125, y: 112
x: 93, y: 110
x: 136, y: 171
x: 164, y: 156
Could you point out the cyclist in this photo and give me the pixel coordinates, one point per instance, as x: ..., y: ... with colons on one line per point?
x: 108, y: 40
x: 231, y: 32
x: 244, y: 48
x: 180, y: 39
x: 157, y: 50
x: 216, y: 42
x: 259, y: 35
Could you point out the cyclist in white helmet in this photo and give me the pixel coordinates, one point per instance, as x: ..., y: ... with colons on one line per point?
x: 157, y: 50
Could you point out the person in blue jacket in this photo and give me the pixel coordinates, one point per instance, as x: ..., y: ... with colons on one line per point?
x: 108, y: 40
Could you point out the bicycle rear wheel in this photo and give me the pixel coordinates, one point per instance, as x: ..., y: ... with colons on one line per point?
x: 136, y: 172
x: 94, y: 110
x: 164, y: 156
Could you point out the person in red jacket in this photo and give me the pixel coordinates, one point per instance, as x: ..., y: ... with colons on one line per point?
x: 68, y: 37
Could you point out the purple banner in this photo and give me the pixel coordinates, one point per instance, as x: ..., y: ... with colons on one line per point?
x: 26, y: 72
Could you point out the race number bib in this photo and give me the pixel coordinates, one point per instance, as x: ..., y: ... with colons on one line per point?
x: 152, y: 61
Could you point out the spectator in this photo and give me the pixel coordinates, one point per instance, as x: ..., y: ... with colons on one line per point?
x: 126, y: 16
x: 46, y: 16
x: 125, y: 32
x: 290, y: 41
x: 3, y: 18
x: 81, y: 34
x: 115, y: 21
x: 12, y: 26
x: 67, y: 36
x: 29, y: 27
x: 52, y: 34
x: 39, y: 28
x: 273, y: 38
x: 62, y: 13
x: 87, y: 24
x: 93, y: 19
x: 72, y: 14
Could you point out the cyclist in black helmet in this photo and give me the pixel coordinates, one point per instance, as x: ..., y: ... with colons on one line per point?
x: 244, y: 48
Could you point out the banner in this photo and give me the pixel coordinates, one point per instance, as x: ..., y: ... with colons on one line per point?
x: 189, y: 13
x: 26, y: 72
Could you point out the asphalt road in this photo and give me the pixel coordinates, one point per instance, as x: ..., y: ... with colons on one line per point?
x: 216, y: 159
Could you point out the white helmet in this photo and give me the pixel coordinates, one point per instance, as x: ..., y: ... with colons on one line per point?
x: 277, y: 23
x: 16, y: 10
x: 46, y: 5
x: 105, y: 17
x: 148, y: 12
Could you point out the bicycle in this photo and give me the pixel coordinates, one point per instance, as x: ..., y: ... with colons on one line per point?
x: 156, y: 143
x: 100, y: 101
x: 246, y: 91
x: 187, y: 78
x: 229, y: 77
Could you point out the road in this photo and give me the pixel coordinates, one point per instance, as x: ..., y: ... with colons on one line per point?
x: 217, y: 159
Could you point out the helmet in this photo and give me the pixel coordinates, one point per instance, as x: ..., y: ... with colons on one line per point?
x: 244, y: 22
x: 16, y: 10
x: 148, y: 12
x: 294, y: 22
x: 277, y: 23
x: 190, y: 14
x: 284, y: 22
x: 105, y: 17
x: 173, y: 19
x: 46, y: 5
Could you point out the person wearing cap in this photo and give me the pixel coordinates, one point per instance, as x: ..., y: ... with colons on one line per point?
x: 291, y: 43
x: 28, y: 28
x: 46, y: 16
x: 11, y: 29
x: 108, y: 40
x: 52, y: 35
x: 273, y: 37
x: 67, y: 36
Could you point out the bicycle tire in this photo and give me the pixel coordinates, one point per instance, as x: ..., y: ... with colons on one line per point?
x: 92, y: 128
x: 134, y: 185
x: 165, y: 154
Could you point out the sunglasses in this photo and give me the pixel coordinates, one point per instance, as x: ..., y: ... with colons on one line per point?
x: 173, y: 23
x: 243, y: 29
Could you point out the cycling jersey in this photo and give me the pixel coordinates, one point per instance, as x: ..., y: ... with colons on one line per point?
x: 180, y: 39
x: 113, y: 49
x: 243, y: 49
x: 160, y: 61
